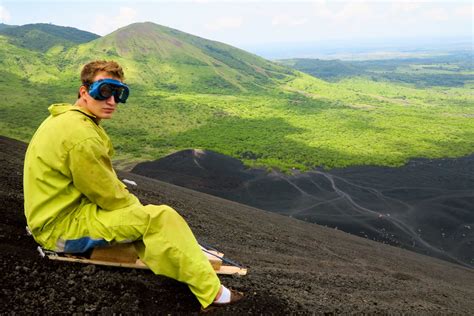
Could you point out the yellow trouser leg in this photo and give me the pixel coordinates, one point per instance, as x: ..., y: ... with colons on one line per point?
x: 163, y: 240
x: 169, y: 248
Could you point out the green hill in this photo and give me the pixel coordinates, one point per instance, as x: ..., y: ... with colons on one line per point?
x: 190, y: 92
x: 171, y: 60
x: 41, y: 36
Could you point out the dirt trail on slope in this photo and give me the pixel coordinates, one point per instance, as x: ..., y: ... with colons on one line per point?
x: 294, y: 266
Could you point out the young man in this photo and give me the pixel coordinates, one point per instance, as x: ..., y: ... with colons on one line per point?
x: 74, y: 200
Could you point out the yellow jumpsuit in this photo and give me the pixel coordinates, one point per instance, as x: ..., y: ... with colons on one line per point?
x: 74, y: 201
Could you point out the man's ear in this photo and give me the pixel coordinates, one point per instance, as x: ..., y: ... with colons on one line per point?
x: 82, y: 92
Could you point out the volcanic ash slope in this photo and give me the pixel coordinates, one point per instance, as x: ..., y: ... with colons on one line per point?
x: 294, y: 266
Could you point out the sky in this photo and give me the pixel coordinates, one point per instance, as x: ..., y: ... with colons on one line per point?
x: 246, y: 23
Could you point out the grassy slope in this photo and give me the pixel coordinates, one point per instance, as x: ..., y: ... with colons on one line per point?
x: 29, y: 81
x: 384, y: 123
x: 189, y: 92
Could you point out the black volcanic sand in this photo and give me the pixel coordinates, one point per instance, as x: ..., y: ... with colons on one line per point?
x: 294, y: 266
x: 426, y: 206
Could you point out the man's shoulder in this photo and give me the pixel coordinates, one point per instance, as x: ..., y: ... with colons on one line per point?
x: 69, y: 129
x: 78, y: 118
x: 76, y: 121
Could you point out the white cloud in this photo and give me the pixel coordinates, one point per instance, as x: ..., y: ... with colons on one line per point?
x: 437, y: 15
x: 289, y: 21
x: 321, y: 10
x: 405, y: 7
x: 4, y: 15
x: 105, y: 24
x: 225, y: 23
x: 343, y: 12
x: 355, y: 10
x: 466, y: 11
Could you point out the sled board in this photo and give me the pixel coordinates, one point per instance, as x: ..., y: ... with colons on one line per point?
x: 124, y: 255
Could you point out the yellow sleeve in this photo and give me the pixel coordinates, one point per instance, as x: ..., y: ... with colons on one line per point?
x: 93, y: 175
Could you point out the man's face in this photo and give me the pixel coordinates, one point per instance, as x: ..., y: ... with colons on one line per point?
x: 102, y: 109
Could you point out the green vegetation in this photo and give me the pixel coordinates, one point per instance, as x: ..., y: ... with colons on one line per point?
x: 189, y: 92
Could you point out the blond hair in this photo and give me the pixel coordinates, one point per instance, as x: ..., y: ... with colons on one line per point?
x: 90, y: 70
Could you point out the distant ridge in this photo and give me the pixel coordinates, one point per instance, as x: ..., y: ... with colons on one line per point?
x: 324, y: 69
x: 42, y: 36
x: 6, y: 26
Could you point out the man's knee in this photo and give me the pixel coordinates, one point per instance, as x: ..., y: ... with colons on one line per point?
x: 160, y: 210
x: 165, y: 214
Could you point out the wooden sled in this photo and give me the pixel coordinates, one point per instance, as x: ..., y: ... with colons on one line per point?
x: 124, y: 255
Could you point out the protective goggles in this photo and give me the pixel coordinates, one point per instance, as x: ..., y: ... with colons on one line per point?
x: 105, y: 88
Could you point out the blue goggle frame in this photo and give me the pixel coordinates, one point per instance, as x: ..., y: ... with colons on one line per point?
x: 105, y: 88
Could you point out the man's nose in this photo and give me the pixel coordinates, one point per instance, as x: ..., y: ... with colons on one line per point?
x: 111, y: 100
